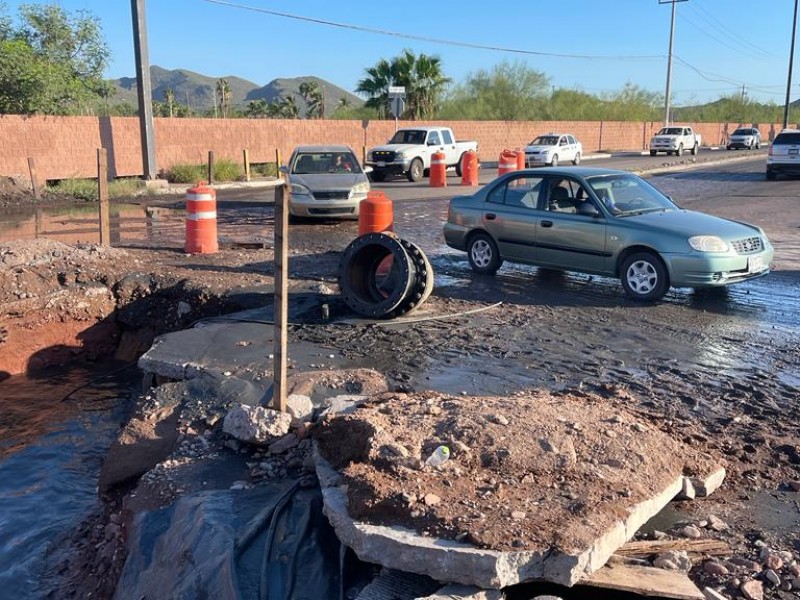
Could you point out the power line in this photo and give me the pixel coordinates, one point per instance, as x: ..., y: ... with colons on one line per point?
x: 723, y: 42
x: 421, y: 38
x: 722, y: 28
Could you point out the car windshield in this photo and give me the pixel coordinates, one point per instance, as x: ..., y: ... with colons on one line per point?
x: 743, y: 132
x: 626, y: 194
x: 313, y: 163
x: 671, y: 131
x: 545, y: 140
x: 408, y: 136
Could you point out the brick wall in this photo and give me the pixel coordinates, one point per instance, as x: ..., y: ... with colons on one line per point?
x: 65, y: 147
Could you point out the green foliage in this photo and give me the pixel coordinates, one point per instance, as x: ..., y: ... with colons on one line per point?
x: 51, y: 62
x: 184, y: 173
x: 509, y: 92
x: 422, y: 77
x: 264, y: 169
x: 228, y: 170
x: 86, y: 189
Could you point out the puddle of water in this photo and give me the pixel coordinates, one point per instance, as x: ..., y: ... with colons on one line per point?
x: 51, y: 450
x: 79, y: 224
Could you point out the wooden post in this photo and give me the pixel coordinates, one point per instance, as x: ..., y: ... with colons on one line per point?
x: 102, y: 194
x: 600, y: 142
x: 34, y: 179
x: 278, y: 163
x: 281, y: 304
x: 37, y: 228
x: 246, y: 157
x: 363, y: 155
x: 210, y: 167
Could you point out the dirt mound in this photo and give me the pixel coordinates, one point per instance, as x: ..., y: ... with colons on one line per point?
x: 525, y: 471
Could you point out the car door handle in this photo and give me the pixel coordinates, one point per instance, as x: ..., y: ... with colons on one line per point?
x: 547, y: 223
x: 491, y: 216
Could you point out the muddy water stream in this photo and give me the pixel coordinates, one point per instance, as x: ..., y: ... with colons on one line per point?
x: 54, y: 433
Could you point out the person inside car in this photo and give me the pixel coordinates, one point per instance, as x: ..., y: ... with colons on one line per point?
x: 342, y: 164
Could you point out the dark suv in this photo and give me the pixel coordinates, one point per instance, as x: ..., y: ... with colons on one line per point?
x: 784, y: 154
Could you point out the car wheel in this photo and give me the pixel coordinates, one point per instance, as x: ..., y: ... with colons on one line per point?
x: 554, y: 162
x: 758, y: 145
x: 771, y: 175
x: 483, y: 254
x: 644, y: 277
x: 653, y: 152
x: 377, y: 176
x: 679, y: 151
x: 459, y: 171
x: 694, y: 150
x: 416, y: 170
x: 577, y: 160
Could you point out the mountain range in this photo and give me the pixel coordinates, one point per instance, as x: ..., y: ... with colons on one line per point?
x: 199, y: 91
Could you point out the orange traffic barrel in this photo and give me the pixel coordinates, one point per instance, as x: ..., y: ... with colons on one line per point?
x: 438, y: 176
x: 375, y: 214
x: 520, y: 159
x: 201, y: 220
x: 469, y: 168
x: 508, y: 162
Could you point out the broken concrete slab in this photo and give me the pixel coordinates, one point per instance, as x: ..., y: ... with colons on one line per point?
x: 391, y: 584
x: 457, y: 562
x: 705, y: 485
x: 510, y: 508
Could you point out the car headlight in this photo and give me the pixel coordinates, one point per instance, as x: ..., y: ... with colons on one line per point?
x: 401, y: 155
x: 708, y: 243
x: 300, y: 190
x: 359, y: 189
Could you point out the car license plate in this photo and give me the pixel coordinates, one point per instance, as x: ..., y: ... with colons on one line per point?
x: 792, y: 151
x: 755, y: 264
x: 381, y: 163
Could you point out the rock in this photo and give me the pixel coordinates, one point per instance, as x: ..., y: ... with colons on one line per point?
x: 343, y: 404
x: 287, y: 442
x: 794, y: 486
x: 394, y: 449
x: 746, y: 564
x: 300, y: 407
x: 431, y: 499
x: 659, y: 535
x: 752, y: 590
x: 674, y: 560
x: 796, y: 583
x: 459, y: 447
x: 716, y: 524
x: 772, y: 577
x: 774, y: 562
x: 691, y: 532
x: 687, y: 490
x: 256, y: 424
x: 498, y: 419
x: 713, y: 567
x: 518, y: 515
x: 712, y: 594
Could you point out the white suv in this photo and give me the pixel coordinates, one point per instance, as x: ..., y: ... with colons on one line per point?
x: 553, y: 148
x: 784, y: 153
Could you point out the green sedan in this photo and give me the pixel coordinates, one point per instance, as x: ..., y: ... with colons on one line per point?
x: 603, y: 222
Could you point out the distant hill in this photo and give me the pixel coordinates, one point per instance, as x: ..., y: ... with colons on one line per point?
x: 198, y: 91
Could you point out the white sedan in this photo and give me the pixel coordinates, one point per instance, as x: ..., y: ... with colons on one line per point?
x: 552, y: 149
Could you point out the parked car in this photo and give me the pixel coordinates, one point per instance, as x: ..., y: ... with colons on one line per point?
x: 746, y: 138
x: 326, y: 182
x: 784, y: 153
x: 552, y: 149
x: 603, y: 222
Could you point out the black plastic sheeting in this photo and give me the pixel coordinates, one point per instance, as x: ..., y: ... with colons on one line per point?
x: 272, y: 542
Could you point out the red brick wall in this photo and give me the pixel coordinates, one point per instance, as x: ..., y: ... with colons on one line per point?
x: 65, y: 147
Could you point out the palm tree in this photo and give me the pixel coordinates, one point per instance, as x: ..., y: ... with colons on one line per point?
x: 224, y: 94
x: 289, y: 108
x: 421, y: 76
x: 314, y: 97
x: 169, y: 97
x: 343, y: 103
x: 257, y: 108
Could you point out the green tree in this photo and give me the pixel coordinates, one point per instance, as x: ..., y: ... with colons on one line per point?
x: 288, y: 109
x: 632, y: 103
x: 51, y: 62
x: 509, y: 92
x: 169, y: 99
x: 421, y: 76
x: 314, y: 97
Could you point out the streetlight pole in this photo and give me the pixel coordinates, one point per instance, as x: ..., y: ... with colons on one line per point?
x: 669, y: 58
x: 789, y: 77
x: 144, y: 88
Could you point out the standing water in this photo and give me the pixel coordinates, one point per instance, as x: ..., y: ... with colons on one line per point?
x: 55, y: 429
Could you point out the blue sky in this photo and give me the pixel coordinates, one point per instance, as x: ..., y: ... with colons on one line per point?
x: 720, y: 45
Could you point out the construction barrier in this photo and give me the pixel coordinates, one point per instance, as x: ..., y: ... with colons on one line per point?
x: 375, y: 214
x: 469, y: 168
x: 201, y: 220
x: 520, y: 159
x: 438, y: 173
x: 507, y: 163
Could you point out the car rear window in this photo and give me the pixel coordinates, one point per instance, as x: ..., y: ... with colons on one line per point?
x: 787, y: 138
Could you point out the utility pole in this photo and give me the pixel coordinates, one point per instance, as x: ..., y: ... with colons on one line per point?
x: 789, y: 78
x: 669, y: 58
x: 144, y: 88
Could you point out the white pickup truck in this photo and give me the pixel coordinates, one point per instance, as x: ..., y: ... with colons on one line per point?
x: 674, y: 140
x: 410, y: 149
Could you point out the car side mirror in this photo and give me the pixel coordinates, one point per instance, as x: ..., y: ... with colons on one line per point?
x: 283, y: 169
x: 367, y: 170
